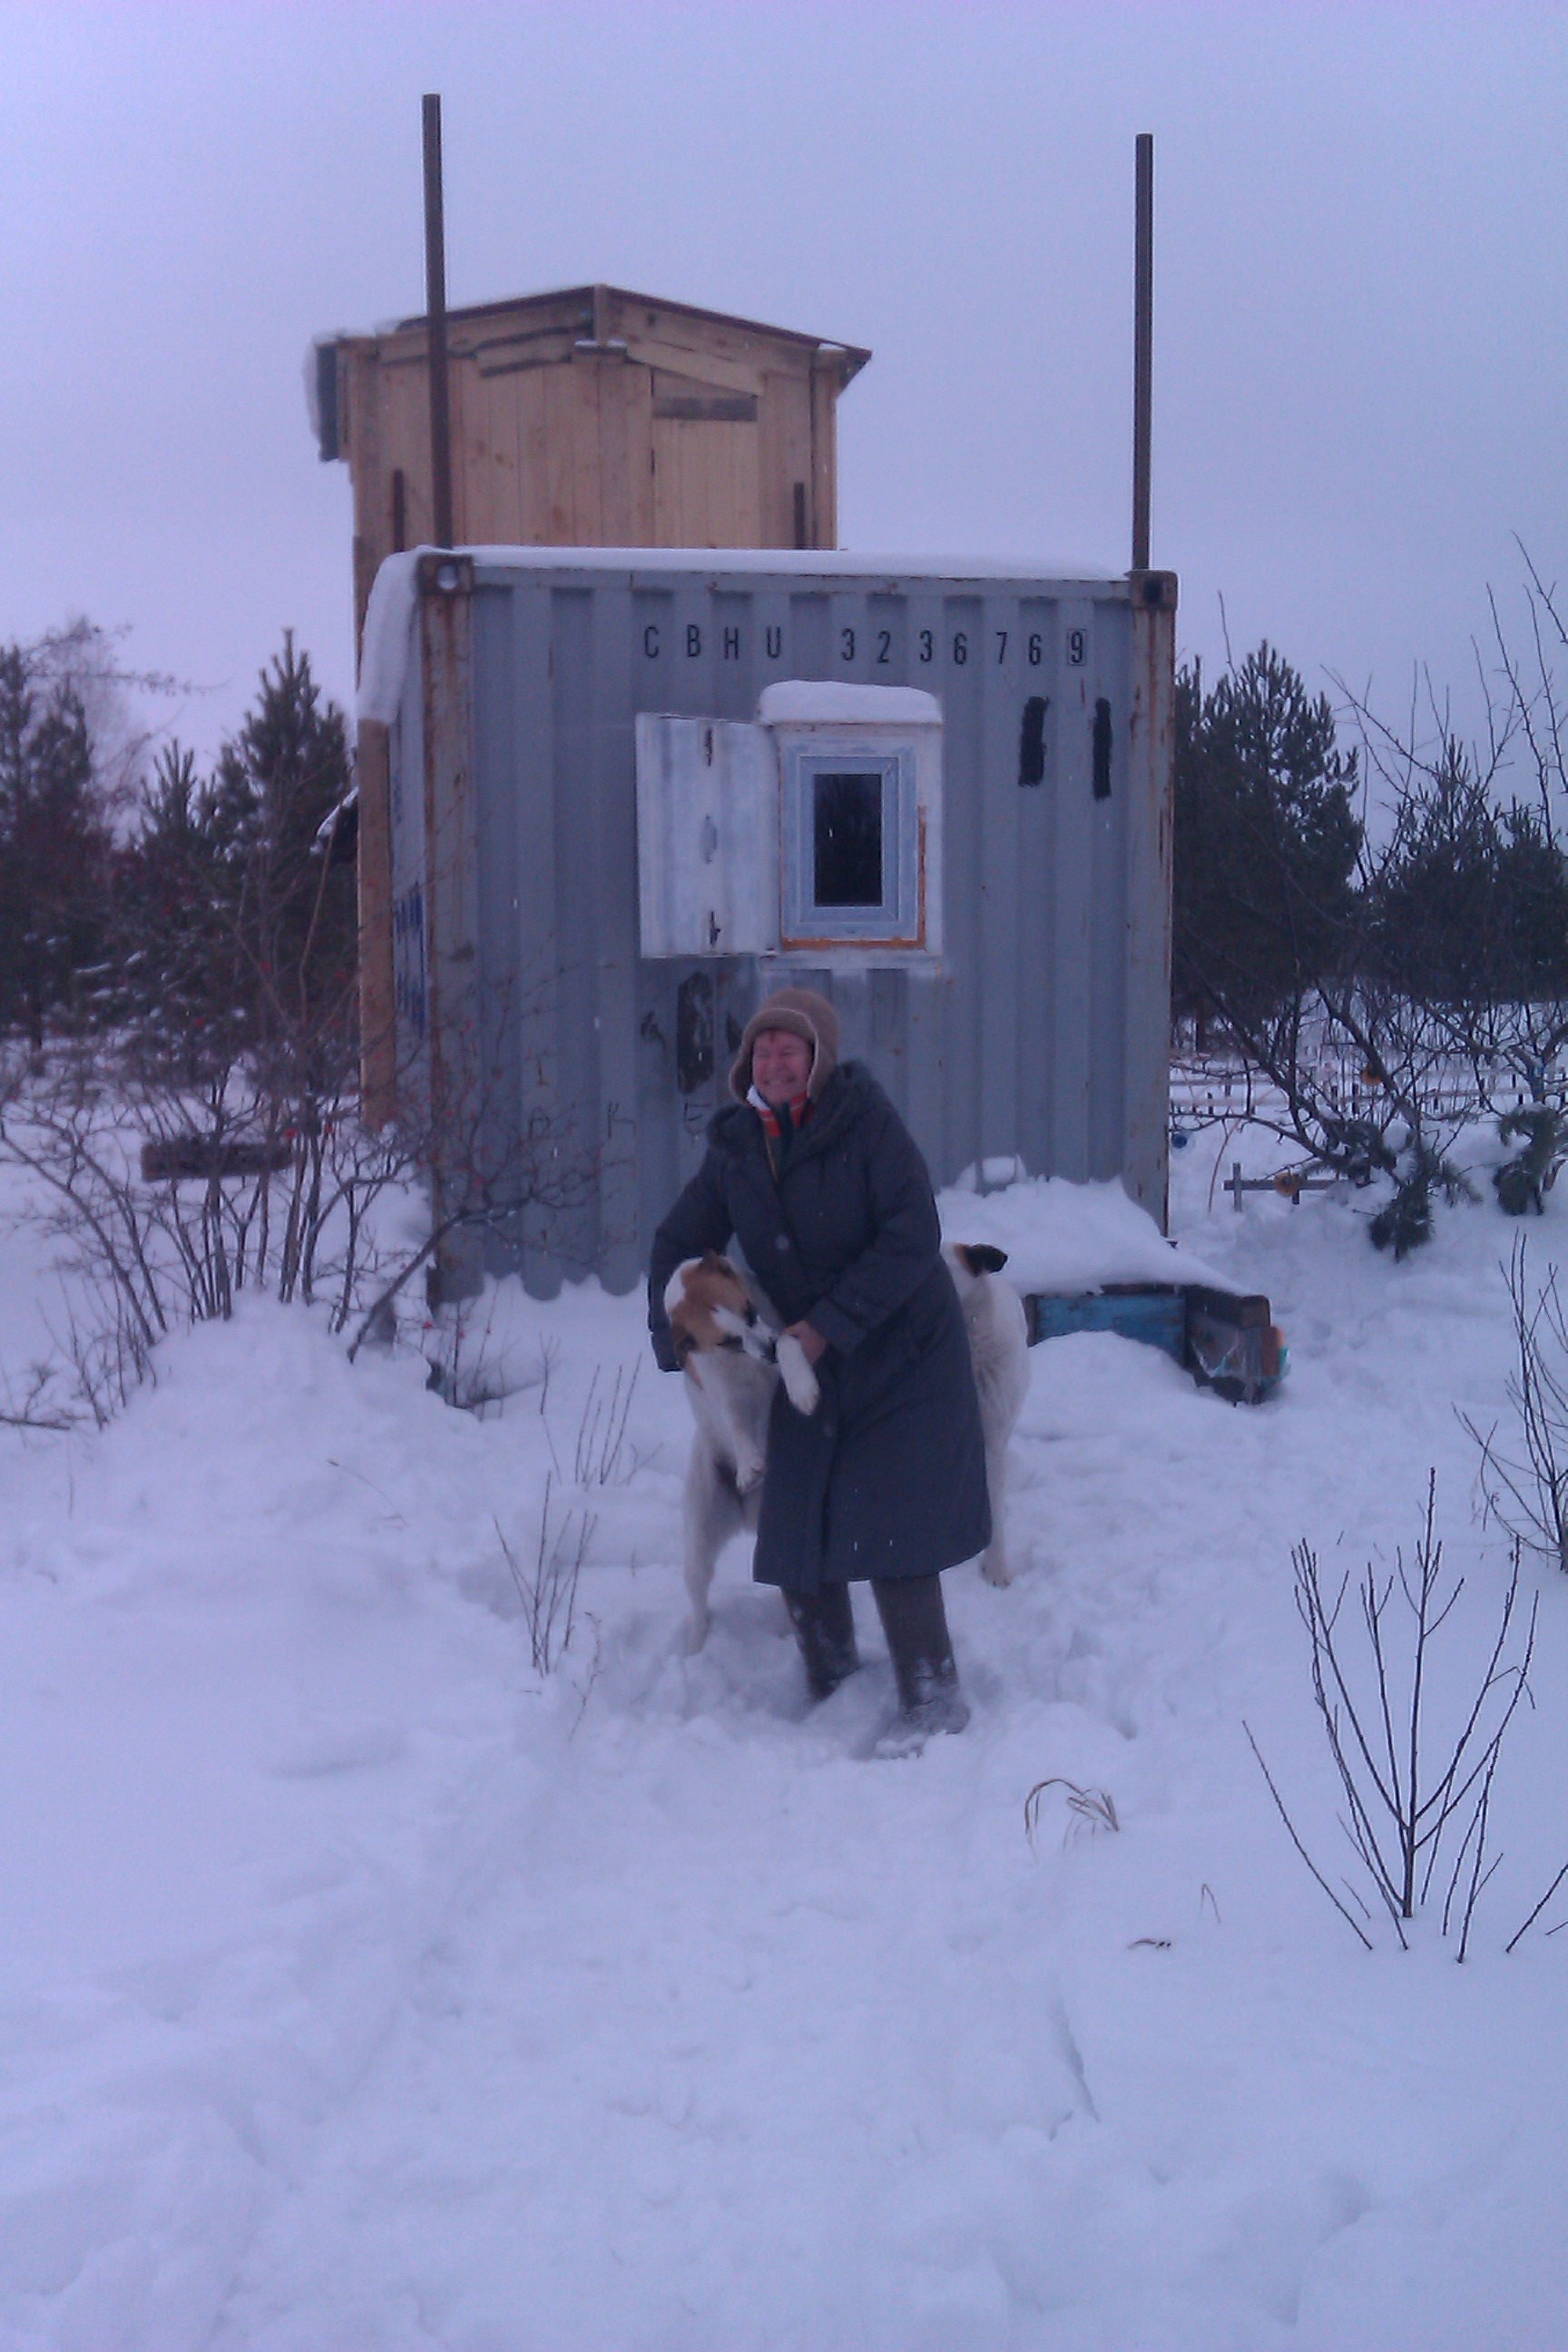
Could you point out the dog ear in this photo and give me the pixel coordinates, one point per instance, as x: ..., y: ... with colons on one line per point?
x: 980, y: 1257
x: 675, y: 1289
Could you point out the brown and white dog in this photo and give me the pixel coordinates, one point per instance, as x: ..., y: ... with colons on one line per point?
x: 999, y: 1348
x: 733, y: 1359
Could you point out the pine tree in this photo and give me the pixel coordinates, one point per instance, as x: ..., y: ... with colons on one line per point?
x: 1433, y: 901
x: 55, y: 849
x: 183, y: 991
x: 278, y: 785
x: 1532, y: 912
x: 239, y: 919
x: 1267, y: 840
x: 1468, y: 906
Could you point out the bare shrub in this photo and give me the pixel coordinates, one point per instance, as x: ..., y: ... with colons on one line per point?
x: 267, y: 1193
x: 152, y: 1252
x: 1524, y: 1480
x: 1409, y: 1792
x: 603, y: 1455
x: 34, y: 1406
x: 547, y: 1583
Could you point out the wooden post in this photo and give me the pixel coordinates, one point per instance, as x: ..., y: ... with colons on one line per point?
x: 436, y: 325
x: 1142, y: 347
x: 823, y: 520
x: 377, y: 998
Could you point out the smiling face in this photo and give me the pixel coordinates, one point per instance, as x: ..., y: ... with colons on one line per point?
x: 781, y: 1064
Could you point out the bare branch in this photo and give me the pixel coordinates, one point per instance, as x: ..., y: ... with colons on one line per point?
x: 1362, y: 1937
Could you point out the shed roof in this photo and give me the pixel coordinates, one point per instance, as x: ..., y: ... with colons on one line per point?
x: 851, y: 356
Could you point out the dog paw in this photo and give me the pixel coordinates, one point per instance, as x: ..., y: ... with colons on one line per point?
x: 995, y: 1570
x: 749, y: 1476
x: 799, y: 1379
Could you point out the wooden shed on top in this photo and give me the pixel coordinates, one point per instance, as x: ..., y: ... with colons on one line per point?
x: 593, y: 417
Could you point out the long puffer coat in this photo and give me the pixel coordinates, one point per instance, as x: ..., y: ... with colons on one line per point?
x: 886, y: 1478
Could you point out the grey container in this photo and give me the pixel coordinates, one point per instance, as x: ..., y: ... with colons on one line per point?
x: 561, y: 1064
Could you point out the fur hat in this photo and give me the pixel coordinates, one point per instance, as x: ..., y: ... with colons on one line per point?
x: 804, y: 1014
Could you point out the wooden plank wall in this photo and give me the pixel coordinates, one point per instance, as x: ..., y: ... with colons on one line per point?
x: 707, y: 488
x: 783, y: 459
x: 679, y: 432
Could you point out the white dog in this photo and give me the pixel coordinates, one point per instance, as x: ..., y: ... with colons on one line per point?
x: 999, y: 1347
x: 733, y: 1360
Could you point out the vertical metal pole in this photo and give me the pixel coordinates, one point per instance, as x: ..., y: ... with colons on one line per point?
x: 1142, y: 347
x: 435, y: 327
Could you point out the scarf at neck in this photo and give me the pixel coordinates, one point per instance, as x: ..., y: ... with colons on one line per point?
x: 781, y: 1127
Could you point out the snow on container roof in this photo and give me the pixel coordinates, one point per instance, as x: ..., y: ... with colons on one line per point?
x: 389, y: 614
x: 796, y: 562
x: 823, y: 701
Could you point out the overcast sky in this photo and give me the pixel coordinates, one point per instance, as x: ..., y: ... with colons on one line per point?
x: 1361, y: 286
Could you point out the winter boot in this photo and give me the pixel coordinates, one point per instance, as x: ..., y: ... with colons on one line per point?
x: 824, y: 1626
x: 924, y: 1669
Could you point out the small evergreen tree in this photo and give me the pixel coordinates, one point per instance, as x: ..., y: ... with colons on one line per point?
x: 1522, y: 1181
x: 1532, y: 917
x: 237, y: 911
x: 1469, y: 907
x: 1267, y: 840
x: 238, y: 919
x: 55, y: 849
x: 293, y: 908
x: 181, y: 970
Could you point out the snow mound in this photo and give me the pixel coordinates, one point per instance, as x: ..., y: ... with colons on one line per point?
x: 1067, y: 1237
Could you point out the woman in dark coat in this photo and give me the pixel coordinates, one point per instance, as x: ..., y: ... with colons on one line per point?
x: 812, y: 1170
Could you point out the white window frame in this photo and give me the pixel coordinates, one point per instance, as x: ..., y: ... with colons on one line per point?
x: 895, y: 921
x: 726, y: 861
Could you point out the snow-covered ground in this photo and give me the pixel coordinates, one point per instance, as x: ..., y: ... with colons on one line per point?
x: 365, y: 1991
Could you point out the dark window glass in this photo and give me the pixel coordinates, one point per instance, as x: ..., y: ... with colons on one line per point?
x: 846, y: 840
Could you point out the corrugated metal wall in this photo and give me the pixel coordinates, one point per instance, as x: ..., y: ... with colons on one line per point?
x: 1043, y: 1035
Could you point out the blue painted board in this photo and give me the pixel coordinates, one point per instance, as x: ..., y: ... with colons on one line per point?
x: 1158, y: 1318
x: 1227, y: 1342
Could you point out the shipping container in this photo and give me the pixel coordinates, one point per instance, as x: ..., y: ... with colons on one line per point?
x: 610, y: 798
